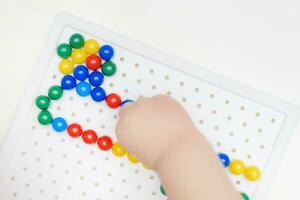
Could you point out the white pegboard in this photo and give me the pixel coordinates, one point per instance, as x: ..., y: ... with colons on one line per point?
x: 38, y: 163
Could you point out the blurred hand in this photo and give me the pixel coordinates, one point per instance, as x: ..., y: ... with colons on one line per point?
x: 150, y: 126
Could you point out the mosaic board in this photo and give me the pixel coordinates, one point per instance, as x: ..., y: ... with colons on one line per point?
x: 38, y: 163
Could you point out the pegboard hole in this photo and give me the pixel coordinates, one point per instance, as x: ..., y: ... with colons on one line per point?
x: 259, y: 130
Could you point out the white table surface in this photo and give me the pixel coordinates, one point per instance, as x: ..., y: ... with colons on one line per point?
x: 256, y: 42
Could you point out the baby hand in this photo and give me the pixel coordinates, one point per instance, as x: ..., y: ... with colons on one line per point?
x: 151, y: 126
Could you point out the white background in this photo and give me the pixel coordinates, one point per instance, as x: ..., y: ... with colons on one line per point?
x: 256, y: 42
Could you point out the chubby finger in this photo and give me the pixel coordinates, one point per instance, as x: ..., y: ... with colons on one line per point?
x: 118, y: 129
x: 125, y: 107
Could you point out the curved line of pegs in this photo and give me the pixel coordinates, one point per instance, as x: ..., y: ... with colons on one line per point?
x: 86, y: 79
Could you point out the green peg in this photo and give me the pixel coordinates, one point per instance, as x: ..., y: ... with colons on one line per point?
x: 76, y: 41
x: 64, y: 50
x: 45, y: 117
x: 42, y: 102
x: 55, y: 92
x: 109, y: 68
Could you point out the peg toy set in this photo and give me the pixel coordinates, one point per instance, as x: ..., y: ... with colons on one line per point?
x: 62, y: 143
